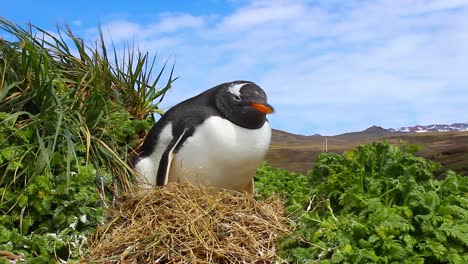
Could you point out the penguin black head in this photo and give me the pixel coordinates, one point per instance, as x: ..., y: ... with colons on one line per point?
x: 243, y: 103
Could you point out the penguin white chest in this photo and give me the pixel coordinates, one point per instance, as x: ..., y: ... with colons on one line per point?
x: 221, y: 154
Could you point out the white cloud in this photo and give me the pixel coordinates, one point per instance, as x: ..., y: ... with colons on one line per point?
x: 118, y: 31
x: 252, y: 16
x: 172, y: 23
x: 363, y: 62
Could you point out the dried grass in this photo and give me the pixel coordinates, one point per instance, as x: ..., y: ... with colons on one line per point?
x: 181, y: 224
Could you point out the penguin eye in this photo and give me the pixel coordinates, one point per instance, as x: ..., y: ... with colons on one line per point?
x: 237, y: 98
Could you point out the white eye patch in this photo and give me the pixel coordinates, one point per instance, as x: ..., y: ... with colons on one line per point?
x: 235, y: 88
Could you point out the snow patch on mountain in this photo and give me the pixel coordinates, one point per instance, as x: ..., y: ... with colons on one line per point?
x: 432, y: 128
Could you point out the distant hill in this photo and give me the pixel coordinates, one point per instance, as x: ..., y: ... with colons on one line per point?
x: 298, y: 152
x: 371, y: 132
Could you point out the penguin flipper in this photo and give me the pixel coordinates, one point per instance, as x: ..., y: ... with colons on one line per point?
x: 166, y: 159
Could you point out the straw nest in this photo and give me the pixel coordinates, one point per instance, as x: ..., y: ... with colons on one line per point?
x: 181, y: 224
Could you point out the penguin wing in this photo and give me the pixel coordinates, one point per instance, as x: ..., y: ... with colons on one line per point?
x: 184, y: 128
x: 166, y: 158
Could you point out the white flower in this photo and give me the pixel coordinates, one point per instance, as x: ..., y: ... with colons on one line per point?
x: 83, y: 219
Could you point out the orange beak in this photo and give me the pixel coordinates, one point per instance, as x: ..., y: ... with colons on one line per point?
x: 266, y: 109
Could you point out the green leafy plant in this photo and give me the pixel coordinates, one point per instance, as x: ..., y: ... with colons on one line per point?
x: 293, y: 187
x: 376, y: 204
x: 70, y: 119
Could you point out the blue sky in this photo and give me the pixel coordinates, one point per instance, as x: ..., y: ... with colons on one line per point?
x: 328, y: 66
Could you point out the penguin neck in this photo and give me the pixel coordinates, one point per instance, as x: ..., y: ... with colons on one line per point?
x: 251, y: 122
x: 245, y: 120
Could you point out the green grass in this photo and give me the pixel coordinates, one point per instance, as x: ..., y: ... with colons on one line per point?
x: 70, y: 120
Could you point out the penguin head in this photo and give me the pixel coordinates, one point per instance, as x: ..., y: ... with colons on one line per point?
x: 244, y: 103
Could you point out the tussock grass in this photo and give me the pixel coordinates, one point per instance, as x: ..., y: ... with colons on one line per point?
x: 72, y: 95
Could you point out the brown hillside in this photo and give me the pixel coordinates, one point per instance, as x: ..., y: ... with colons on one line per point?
x: 298, y: 153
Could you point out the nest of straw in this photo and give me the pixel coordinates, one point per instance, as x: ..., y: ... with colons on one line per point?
x: 182, y: 224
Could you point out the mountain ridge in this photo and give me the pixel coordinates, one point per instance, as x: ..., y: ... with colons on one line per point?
x: 374, y: 129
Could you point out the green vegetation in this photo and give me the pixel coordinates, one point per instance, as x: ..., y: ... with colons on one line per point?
x: 70, y: 117
x: 376, y: 204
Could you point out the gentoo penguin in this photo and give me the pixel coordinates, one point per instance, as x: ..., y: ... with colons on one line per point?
x: 218, y: 138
